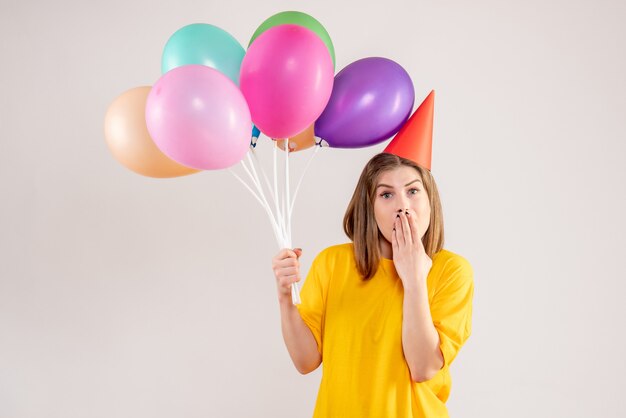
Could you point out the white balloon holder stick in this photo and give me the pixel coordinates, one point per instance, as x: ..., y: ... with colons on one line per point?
x: 280, y: 216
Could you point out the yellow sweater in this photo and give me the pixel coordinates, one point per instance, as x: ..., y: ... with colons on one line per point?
x: 358, y: 329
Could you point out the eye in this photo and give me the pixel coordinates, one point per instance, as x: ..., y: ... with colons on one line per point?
x: 385, y: 194
x: 414, y: 191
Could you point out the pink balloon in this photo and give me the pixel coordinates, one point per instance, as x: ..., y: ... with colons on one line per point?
x: 198, y: 117
x: 286, y: 78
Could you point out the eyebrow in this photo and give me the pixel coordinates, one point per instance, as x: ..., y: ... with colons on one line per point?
x: 391, y: 187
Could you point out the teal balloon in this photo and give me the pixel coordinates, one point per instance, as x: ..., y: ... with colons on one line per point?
x: 204, y: 44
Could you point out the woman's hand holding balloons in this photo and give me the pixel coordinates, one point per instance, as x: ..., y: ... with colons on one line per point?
x: 286, y: 266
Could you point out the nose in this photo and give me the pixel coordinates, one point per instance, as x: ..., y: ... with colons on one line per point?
x: 403, y: 205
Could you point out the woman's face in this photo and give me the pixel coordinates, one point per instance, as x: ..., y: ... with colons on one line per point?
x: 398, y: 190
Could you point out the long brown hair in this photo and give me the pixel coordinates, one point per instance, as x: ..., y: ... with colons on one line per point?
x: 360, y: 224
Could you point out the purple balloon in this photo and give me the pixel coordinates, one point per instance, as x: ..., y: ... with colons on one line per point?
x: 372, y: 98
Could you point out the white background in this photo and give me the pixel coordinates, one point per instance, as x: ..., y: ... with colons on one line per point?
x: 126, y: 296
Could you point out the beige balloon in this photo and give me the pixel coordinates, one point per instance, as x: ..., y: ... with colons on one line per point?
x: 304, y: 140
x: 130, y: 143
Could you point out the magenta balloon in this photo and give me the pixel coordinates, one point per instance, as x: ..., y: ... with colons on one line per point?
x: 198, y: 117
x: 286, y: 78
x: 372, y: 98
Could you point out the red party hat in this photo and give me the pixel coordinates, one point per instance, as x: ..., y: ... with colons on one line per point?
x: 414, y: 141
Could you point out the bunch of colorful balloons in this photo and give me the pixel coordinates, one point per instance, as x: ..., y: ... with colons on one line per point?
x: 213, y: 97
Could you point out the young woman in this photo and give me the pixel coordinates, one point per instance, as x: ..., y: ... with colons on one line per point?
x: 386, y: 313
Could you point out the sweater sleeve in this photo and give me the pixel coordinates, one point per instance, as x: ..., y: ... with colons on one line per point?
x: 451, y: 308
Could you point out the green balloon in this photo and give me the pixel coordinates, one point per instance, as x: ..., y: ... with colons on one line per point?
x: 301, y: 19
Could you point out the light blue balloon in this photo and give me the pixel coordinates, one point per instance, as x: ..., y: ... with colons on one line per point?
x: 255, y: 136
x: 201, y: 43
